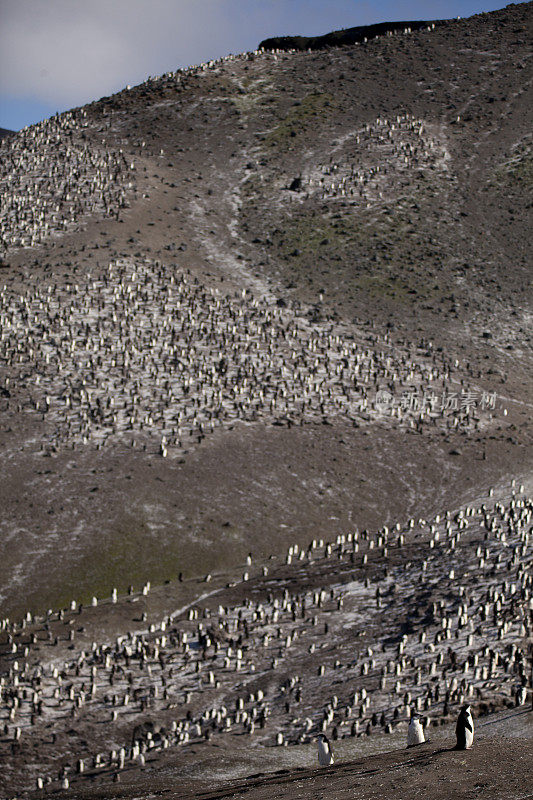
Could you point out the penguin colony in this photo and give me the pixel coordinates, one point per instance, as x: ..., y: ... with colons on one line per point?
x: 394, y: 147
x: 143, y: 355
x: 118, y: 365
x: 147, y: 356
x: 341, y: 655
x: 50, y: 178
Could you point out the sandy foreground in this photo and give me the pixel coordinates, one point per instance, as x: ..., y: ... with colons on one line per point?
x: 498, y: 767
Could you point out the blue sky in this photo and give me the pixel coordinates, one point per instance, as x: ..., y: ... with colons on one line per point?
x: 56, y: 54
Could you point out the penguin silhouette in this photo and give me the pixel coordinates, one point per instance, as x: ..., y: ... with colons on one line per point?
x: 325, y: 755
x: 464, y: 730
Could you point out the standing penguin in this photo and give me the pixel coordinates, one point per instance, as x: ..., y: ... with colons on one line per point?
x: 521, y: 696
x: 325, y: 755
x: 415, y: 731
x: 464, y: 730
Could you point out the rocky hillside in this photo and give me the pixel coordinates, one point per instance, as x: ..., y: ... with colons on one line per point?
x: 265, y: 351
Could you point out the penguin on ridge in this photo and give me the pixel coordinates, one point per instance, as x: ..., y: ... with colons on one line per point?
x: 415, y: 731
x: 325, y: 754
x: 464, y: 730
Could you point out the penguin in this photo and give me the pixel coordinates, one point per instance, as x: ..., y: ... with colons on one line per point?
x: 325, y: 755
x: 521, y: 696
x: 464, y: 730
x: 415, y: 732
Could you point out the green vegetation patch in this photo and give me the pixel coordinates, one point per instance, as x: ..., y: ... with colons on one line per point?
x: 385, y: 256
x: 522, y: 170
x: 131, y: 554
x: 517, y: 170
x: 301, y: 116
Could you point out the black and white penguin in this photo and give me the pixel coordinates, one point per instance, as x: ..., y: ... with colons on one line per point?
x: 325, y: 755
x: 521, y: 696
x: 415, y: 731
x: 464, y: 730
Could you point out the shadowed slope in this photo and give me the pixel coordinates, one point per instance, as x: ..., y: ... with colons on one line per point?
x: 346, y: 36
